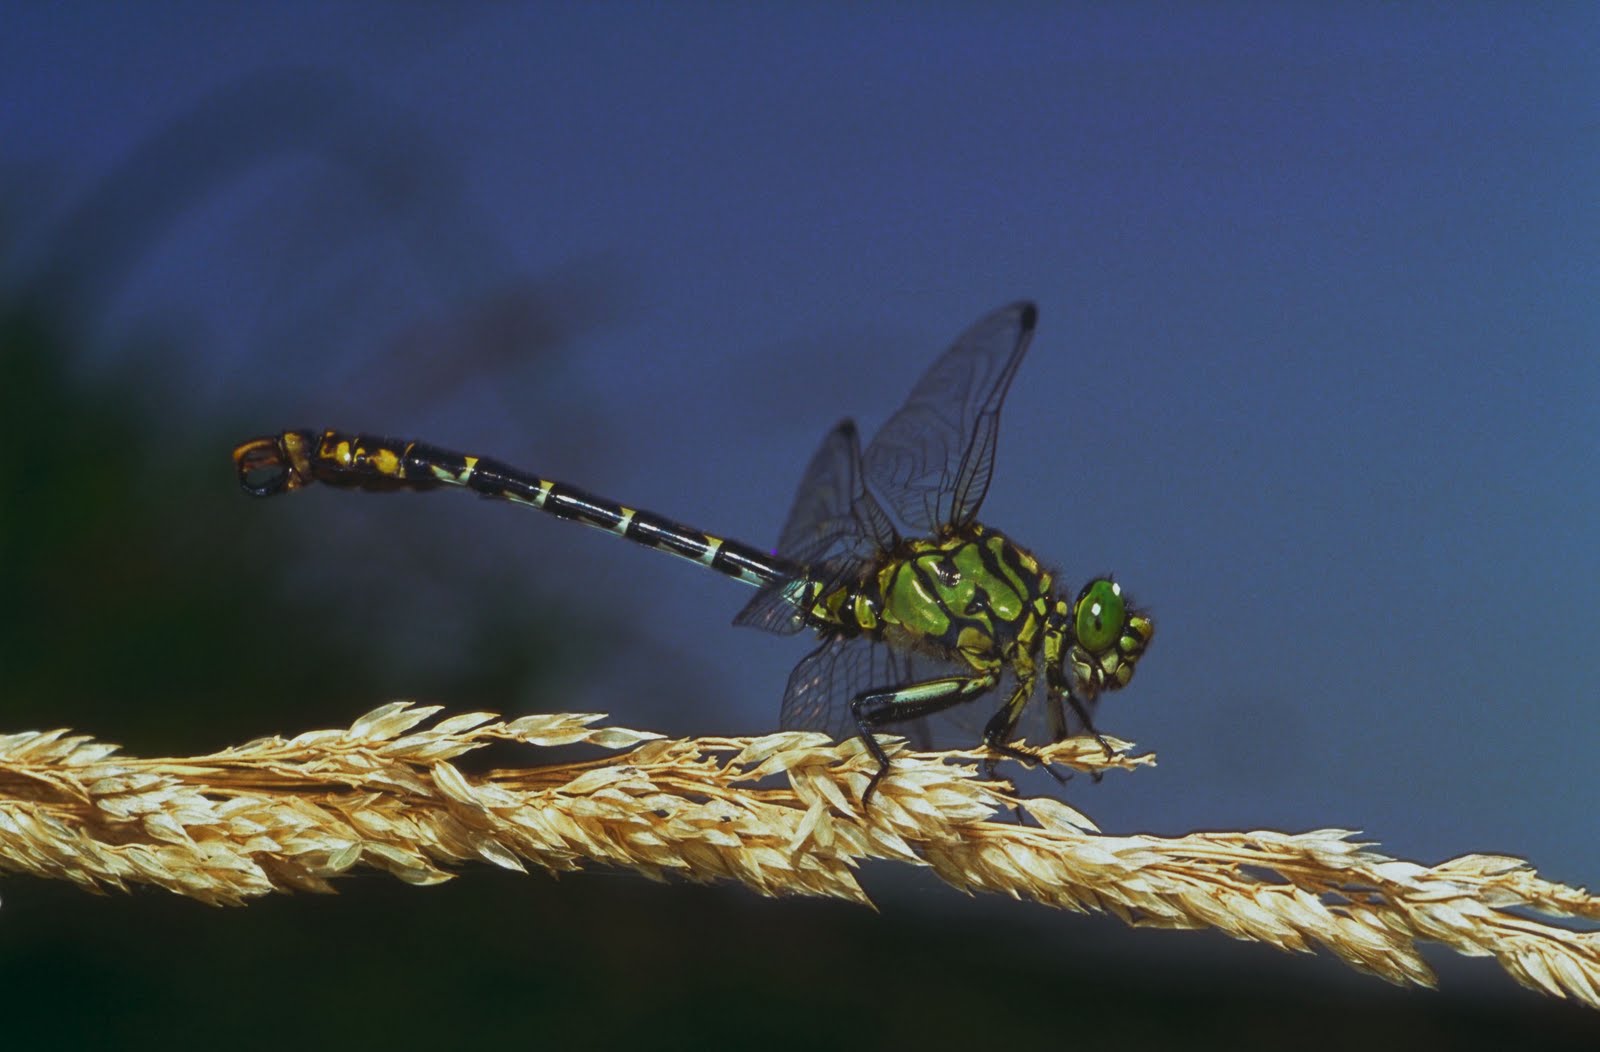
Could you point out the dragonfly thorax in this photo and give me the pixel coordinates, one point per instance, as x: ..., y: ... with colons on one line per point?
x: 972, y: 594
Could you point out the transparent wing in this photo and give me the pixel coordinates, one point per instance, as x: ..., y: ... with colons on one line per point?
x: 823, y: 684
x: 834, y: 517
x: 833, y: 528
x: 933, y: 459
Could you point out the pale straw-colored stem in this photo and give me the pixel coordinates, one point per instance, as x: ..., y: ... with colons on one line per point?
x: 780, y: 813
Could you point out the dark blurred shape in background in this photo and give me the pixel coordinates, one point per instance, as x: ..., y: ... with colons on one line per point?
x: 151, y: 602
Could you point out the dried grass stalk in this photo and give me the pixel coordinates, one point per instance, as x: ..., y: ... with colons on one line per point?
x: 779, y: 813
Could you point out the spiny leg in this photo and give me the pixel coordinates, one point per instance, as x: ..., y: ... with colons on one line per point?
x: 1057, y: 716
x: 1060, y: 689
x: 997, y: 734
x: 1082, y: 712
x: 875, y: 709
x: 1058, y: 723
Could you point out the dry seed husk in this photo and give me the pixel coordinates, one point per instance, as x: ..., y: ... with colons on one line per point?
x: 780, y: 814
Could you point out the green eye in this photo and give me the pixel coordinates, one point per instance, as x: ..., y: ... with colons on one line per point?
x: 1100, y: 615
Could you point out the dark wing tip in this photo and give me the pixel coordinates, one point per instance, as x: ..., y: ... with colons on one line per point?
x: 1029, y: 314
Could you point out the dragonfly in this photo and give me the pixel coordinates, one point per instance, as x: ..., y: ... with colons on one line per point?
x: 912, y: 620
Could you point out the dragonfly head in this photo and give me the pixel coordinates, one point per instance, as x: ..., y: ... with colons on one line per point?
x: 1107, y: 637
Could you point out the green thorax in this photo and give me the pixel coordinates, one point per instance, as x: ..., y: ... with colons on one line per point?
x: 972, y: 594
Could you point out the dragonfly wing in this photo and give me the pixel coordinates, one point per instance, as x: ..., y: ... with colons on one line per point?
x: 834, y: 527
x: 933, y: 459
x: 825, y: 682
x: 817, y: 697
x: 833, y: 515
x: 776, y: 608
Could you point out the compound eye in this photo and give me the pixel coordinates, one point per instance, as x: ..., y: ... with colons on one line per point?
x: 1100, y: 615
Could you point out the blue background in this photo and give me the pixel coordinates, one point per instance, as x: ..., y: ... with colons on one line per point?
x: 1315, y: 371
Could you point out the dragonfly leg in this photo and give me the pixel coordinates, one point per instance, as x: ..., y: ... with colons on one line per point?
x: 997, y: 735
x: 1058, y: 717
x: 1060, y: 689
x: 1082, y: 712
x: 875, y: 709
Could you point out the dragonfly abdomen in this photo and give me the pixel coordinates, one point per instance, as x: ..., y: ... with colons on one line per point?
x: 281, y: 463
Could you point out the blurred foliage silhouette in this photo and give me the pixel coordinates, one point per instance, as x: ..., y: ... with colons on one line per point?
x: 147, y: 597
x: 146, y: 600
